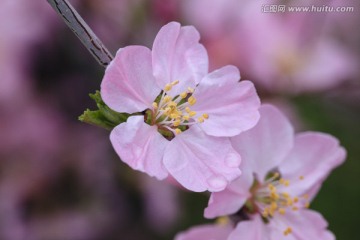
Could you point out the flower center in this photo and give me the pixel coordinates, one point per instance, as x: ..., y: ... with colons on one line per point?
x: 174, y: 114
x: 271, y: 198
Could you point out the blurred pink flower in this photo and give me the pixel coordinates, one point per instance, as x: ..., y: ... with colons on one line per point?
x: 17, y: 38
x: 281, y: 175
x: 280, y: 52
x: 206, y: 232
x: 198, y: 109
x: 284, y: 56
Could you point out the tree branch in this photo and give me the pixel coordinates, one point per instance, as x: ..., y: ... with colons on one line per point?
x: 77, y: 24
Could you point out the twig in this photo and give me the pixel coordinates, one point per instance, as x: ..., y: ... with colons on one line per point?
x: 76, y: 23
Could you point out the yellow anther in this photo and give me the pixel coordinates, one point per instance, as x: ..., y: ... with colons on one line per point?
x: 175, y: 82
x: 177, y: 123
x: 271, y: 187
x: 167, y: 111
x: 265, y: 213
x: 200, y: 119
x: 191, y: 90
x: 192, y: 100
x: 167, y: 87
x: 284, y: 182
x: 295, y: 208
x: 306, y: 196
x: 296, y: 199
x: 174, y: 115
x: 155, y: 105
x: 301, y: 177
x: 288, y: 231
x: 167, y: 98
x: 192, y: 113
x: 172, y: 105
x: 276, y: 175
x: 222, y: 220
x: 183, y: 95
x: 285, y: 195
x: 187, y: 109
x: 206, y: 116
x: 307, y: 205
x: 177, y: 131
x: 274, y: 196
x: 186, y: 118
x: 274, y: 206
x: 282, y: 211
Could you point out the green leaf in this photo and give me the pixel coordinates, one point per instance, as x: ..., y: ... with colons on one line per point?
x: 103, y: 117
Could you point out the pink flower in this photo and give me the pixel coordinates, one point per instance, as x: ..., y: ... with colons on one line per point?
x: 206, y: 232
x: 195, y: 110
x: 281, y: 175
x: 276, y: 50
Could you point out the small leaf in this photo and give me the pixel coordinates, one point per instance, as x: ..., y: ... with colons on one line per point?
x: 103, y: 117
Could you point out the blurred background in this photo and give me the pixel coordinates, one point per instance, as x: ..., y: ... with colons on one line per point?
x: 61, y: 180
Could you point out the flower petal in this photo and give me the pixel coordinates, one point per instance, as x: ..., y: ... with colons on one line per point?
x: 206, y: 232
x: 232, y: 106
x: 140, y: 146
x: 313, y: 157
x: 178, y: 55
x: 253, y: 229
x: 200, y: 162
x: 264, y: 147
x: 128, y: 84
x: 230, y: 200
x: 305, y: 224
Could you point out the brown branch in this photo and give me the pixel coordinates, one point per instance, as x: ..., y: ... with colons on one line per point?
x: 77, y: 24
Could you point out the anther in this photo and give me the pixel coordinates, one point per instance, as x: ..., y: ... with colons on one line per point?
x: 175, y: 82
x: 206, y: 116
x: 192, y: 100
x: 155, y: 105
x: 200, y: 119
x: 178, y: 131
x: 186, y: 118
x: 177, y: 123
x: 167, y: 98
x: 282, y: 211
x: 288, y: 231
x: 183, y: 95
x: 168, y: 87
x: 192, y: 113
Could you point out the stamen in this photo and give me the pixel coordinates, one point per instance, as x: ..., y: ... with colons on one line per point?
x: 177, y: 123
x: 168, y: 87
x: 173, y: 113
x: 175, y: 82
x: 192, y: 113
x: 186, y: 117
x: 192, y: 100
x: 167, y: 98
x: 282, y: 211
x: 288, y: 231
x: 183, y: 95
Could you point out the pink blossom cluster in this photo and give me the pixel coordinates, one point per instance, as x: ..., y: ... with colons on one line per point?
x: 208, y: 131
